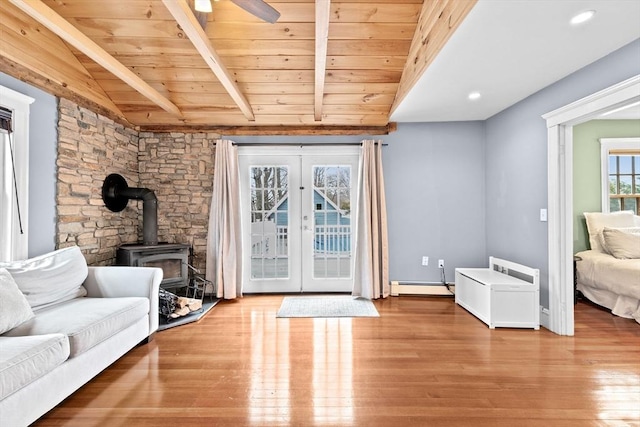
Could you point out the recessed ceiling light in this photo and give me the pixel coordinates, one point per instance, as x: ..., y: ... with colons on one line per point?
x: 582, y: 17
x: 474, y: 95
x: 203, y: 6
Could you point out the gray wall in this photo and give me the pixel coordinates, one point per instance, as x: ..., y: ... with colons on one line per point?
x: 434, y: 182
x: 516, y: 161
x: 43, y: 138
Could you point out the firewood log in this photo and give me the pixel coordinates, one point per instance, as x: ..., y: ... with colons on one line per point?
x: 180, y: 312
x: 195, y: 304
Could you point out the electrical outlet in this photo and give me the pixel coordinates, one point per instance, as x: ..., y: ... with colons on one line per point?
x: 425, y: 261
x: 440, y: 263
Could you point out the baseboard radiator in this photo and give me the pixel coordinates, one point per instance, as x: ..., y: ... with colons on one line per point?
x: 420, y: 288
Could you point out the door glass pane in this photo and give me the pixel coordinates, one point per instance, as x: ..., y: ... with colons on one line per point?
x: 332, y: 221
x: 269, y: 222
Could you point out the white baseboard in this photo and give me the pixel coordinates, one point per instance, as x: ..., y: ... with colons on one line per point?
x: 398, y: 288
x: 544, y: 317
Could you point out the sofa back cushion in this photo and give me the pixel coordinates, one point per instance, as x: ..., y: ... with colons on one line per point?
x: 50, y: 278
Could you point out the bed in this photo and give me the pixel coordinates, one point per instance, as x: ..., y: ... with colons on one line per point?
x: 608, y: 274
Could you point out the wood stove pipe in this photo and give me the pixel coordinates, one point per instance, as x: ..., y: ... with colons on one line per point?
x: 116, y: 194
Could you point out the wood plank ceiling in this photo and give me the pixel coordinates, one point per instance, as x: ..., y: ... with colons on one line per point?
x: 323, y: 67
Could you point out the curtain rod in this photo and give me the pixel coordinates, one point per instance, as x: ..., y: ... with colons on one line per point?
x: 297, y: 144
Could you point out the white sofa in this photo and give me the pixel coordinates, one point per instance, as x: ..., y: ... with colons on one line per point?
x: 71, y: 322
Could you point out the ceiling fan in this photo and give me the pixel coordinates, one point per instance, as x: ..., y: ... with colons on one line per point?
x: 258, y: 8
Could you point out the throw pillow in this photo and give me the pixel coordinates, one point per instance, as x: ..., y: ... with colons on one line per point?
x: 621, y: 243
x: 603, y: 242
x: 14, y: 308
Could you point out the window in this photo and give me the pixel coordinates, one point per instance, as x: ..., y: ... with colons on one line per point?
x: 14, y: 155
x: 620, y: 174
x: 624, y: 182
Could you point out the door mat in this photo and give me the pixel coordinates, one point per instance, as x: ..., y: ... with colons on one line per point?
x: 189, y: 318
x: 327, y: 306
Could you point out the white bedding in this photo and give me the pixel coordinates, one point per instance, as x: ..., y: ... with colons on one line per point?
x: 611, y: 282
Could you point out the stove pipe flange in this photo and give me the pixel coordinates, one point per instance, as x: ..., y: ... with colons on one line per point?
x: 116, y: 194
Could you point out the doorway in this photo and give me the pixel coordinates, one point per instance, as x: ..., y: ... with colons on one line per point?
x: 560, y: 124
x: 298, y: 217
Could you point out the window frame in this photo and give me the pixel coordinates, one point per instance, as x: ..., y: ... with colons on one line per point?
x: 17, y: 245
x: 607, y: 146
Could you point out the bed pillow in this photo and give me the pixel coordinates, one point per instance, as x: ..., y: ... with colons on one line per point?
x: 605, y: 246
x: 596, y: 221
x: 14, y: 308
x: 50, y: 278
x: 622, y: 243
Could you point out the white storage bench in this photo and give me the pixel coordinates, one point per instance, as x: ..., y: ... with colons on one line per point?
x: 497, y: 298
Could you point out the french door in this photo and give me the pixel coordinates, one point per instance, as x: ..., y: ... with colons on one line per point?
x: 298, y: 218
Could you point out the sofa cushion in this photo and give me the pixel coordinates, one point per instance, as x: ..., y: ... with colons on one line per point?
x: 25, y: 359
x: 14, y: 308
x: 50, y: 278
x: 85, y: 321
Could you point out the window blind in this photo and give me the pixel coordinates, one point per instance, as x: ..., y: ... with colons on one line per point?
x: 5, y: 119
x: 624, y: 152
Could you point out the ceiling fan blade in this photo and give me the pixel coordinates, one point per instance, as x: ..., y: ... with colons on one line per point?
x: 259, y: 8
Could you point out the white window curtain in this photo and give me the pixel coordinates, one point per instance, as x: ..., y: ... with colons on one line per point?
x: 13, y: 236
x: 224, y: 240
x: 372, y: 250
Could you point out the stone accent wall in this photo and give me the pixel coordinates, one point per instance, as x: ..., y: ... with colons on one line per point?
x: 90, y: 147
x: 178, y: 167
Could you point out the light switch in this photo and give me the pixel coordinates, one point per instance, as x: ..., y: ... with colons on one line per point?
x: 543, y: 215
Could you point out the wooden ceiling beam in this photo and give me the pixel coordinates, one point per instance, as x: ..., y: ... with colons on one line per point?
x: 276, y: 130
x: 50, y: 19
x: 438, y: 20
x: 186, y: 19
x: 323, y: 11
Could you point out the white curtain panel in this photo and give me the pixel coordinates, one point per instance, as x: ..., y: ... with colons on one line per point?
x: 372, y: 250
x: 224, y: 240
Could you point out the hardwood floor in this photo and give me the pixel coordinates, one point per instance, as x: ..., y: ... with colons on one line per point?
x: 423, y: 362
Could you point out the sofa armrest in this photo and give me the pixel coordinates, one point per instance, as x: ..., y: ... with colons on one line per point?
x: 115, y: 281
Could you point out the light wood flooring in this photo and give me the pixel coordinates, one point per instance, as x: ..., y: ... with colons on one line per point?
x: 423, y: 362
